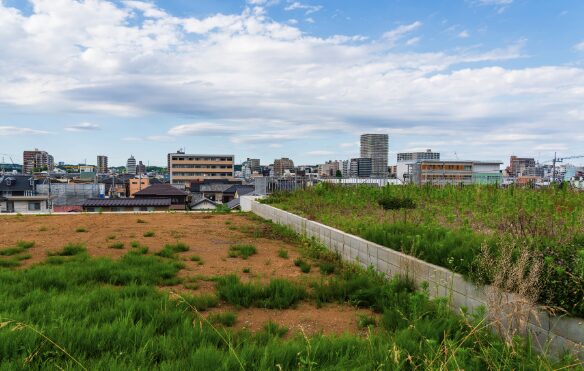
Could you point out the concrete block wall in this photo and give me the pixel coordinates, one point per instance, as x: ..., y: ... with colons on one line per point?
x: 551, y: 334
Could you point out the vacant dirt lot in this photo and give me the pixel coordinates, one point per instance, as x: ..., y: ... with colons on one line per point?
x: 208, y: 237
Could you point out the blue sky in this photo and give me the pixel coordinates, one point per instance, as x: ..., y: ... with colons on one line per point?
x: 473, y: 79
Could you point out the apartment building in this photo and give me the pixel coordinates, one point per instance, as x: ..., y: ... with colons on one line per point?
x: 376, y: 147
x: 37, y: 160
x: 102, y: 167
x: 185, y: 168
x: 131, y: 165
x: 281, y: 165
x: 520, y: 165
x: 360, y: 167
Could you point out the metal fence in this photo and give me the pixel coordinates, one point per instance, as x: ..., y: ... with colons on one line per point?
x: 268, y: 185
x: 71, y: 193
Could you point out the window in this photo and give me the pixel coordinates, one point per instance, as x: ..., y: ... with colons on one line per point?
x: 118, y: 209
x: 34, y: 206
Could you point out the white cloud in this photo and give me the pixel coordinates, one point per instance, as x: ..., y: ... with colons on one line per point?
x: 463, y: 34
x: 579, y: 46
x: 308, y: 9
x: 320, y: 153
x: 399, y: 32
x: 250, y: 79
x: 413, y: 41
x: 495, y: 2
x: 12, y: 130
x: 84, y: 126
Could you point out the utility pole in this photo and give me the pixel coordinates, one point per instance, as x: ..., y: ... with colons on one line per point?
x: 554, y: 167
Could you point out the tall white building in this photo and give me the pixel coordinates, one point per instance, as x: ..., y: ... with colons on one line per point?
x: 131, y: 165
x: 376, y: 147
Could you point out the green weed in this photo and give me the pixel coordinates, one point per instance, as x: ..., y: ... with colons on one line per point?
x: 241, y: 250
x: 149, y: 234
x: 226, y: 319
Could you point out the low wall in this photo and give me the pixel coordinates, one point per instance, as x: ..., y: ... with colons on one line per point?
x: 553, y: 335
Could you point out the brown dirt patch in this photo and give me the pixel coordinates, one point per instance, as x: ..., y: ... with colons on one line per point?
x: 208, y: 236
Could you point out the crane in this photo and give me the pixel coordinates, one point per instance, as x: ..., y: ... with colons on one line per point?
x: 557, y: 159
x: 11, y: 160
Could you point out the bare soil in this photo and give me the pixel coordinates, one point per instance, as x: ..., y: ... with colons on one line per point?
x: 208, y: 236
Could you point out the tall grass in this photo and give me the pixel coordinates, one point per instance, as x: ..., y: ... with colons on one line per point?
x: 104, y: 314
x: 449, y: 226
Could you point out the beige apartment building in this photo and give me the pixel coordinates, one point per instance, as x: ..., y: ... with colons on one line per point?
x: 186, y: 168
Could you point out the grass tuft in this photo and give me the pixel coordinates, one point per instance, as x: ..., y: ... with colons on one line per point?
x: 149, y: 234
x: 242, y: 250
x: 226, y: 319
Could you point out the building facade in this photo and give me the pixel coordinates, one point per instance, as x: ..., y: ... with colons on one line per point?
x: 281, y: 165
x: 406, y: 159
x: 185, y: 168
x: 376, y: 147
x: 37, y: 160
x: 361, y: 167
x: 102, y: 166
x: 520, y: 165
x: 456, y: 172
x: 140, y: 168
x: 131, y: 165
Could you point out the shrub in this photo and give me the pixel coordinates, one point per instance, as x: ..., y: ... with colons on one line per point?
x: 117, y: 245
x: 278, y: 294
x: 25, y: 244
x: 242, y: 251
x: 364, y: 321
x: 71, y: 249
x: 226, y: 319
x: 246, y: 270
x: 327, y: 268
x: 283, y: 253
x: 201, y: 302
x: 135, y: 244
x: 395, y: 203
x: 81, y: 230
x: 275, y: 330
x: 196, y: 258
x: 149, y: 234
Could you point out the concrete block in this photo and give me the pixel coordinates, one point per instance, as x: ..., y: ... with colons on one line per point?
x: 458, y: 300
x: 570, y: 328
x: 558, y: 345
x: 459, y: 284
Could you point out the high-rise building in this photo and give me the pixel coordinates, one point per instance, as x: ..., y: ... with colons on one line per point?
x: 250, y: 166
x: 281, y: 165
x: 185, y: 168
x: 376, y: 147
x: 37, y: 160
x: 131, y: 165
x: 102, y: 164
x: 360, y: 167
x: 406, y: 159
x: 140, y: 168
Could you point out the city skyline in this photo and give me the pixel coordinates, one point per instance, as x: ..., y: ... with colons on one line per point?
x: 474, y: 79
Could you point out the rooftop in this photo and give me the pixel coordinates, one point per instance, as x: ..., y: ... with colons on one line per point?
x: 126, y: 202
x: 161, y: 189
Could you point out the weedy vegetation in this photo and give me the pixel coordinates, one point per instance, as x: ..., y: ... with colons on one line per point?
x: 455, y: 226
x: 243, y: 251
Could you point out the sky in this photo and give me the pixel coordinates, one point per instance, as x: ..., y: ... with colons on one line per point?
x: 472, y: 79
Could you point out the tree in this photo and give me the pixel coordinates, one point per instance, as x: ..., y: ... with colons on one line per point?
x: 339, y: 174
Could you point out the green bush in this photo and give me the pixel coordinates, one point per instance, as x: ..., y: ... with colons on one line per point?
x: 283, y: 253
x: 327, y: 268
x: 242, y: 250
x: 226, y: 319
x: 389, y: 202
x: 71, y: 249
x: 364, y: 321
x: 117, y: 245
x: 81, y: 230
x: 149, y: 234
x: 278, y: 294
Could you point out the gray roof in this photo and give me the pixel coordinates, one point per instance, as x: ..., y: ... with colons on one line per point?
x: 126, y: 202
x: 199, y: 200
x: 15, y: 183
x: 215, y: 187
x: 240, y: 189
x: 233, y: 203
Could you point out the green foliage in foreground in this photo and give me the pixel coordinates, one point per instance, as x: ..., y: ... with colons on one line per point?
x: 278, y: 294
x: 452, y: 226
x: 109, y: 315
